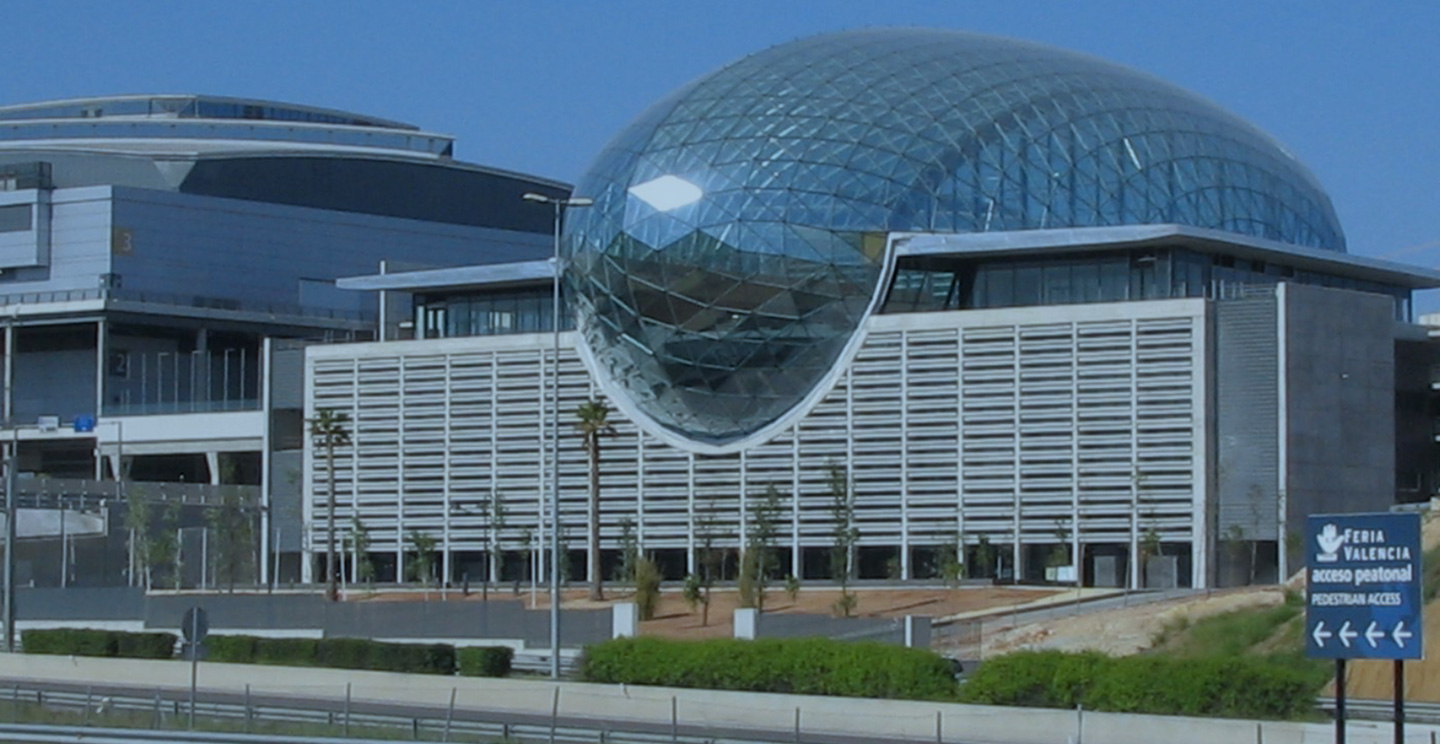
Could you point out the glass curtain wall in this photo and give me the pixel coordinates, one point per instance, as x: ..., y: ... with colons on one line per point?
x: 1115, y: 276
x: 487, y: 314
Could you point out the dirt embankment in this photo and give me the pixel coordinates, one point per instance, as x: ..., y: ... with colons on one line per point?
x: 1125, y: 630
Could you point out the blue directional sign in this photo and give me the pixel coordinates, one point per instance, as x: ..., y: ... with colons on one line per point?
x: 1364, y: 587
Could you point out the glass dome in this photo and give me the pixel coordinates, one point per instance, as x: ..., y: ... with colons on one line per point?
x: 737, y: 237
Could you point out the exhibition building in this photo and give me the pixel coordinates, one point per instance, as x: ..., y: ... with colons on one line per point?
x: 163, y: 259
x: 1024, y: 305
x: 968, y: 300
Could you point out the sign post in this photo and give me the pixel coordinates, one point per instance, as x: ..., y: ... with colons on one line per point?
x: 1364, y: 599
x: 194, y: 627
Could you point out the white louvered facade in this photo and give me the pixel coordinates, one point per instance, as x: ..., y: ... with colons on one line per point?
x: 1086, y: 421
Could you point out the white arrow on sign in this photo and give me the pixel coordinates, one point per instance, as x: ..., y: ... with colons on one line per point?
x: 1321, y: 634
x: 1346, y: 634
x: 1371, y: 633
x: 1400, y: 634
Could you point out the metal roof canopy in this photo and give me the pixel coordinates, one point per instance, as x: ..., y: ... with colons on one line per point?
x: 539, y: 272
x: 1082, y: 239
x: 1037, y: 243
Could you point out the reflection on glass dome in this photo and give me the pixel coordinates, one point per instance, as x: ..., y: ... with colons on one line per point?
x: 737, y: 236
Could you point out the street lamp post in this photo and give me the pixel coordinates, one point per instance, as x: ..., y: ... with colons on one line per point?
x: 10, y: 462
x: 559, y: 204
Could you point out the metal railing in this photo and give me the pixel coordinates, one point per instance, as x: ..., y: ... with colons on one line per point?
x: 172, y: 299
x: 1382, y: 710
x: 49, y: 493
x: 155, y: 714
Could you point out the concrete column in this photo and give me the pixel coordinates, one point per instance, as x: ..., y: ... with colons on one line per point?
x: 102, y: 344
x: 266, y: 349
x: 917, y: 631
x: 747, y: 623
x: 625, y: 621
x: 9, y: 402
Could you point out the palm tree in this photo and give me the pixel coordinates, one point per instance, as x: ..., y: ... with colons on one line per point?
x: 594, y: 423
x: 330, y: 428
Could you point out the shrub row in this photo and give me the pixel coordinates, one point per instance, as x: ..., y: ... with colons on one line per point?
x: 339, y: 653
x: 361, y: 653
x: 1231, y: 687
x: 811, y: 666
x: 484, y: 661
x: 87, y: 642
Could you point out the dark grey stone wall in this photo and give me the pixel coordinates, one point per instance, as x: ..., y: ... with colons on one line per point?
x: 433, y: 619
x: 285, y: 498
x: 108, y: 604
x: 1339, y: 403
x: 796, y: 625
x: 1247, y: 413
x: 1417, y: 456
x: 287, y: 376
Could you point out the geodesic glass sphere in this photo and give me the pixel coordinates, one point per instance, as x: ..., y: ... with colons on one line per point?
x: 738, y: 231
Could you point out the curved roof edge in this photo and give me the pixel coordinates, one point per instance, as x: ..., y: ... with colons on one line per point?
x: 1055, y: 240
x: 187, y: 105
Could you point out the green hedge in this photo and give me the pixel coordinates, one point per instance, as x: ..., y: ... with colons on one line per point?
x: 1231, y: 687
x: 236, y: 649
x: 412, y: 658
x: 339, y: 653
x: 149, y: 645
x: 811, y: 666
x: 109, y: 643
x: 287, y: 651
x: 484, y: 661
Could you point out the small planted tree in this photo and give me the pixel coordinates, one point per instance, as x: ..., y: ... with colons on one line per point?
x: 1150, y: 547
x: 527, y: 540
x: 594, y: 423
x: 232, y: 528
x: 949, y: 560
x: 711, y: 558
x: 138, y: 516
x: 1060, y: 554
x: 759, y: 560
x: 647, y: 587
x: 693, y: 591
x: 845, y: 537
x: 165, y: 544
x: 629, y: 552
x: 497, y: 528
x: 985, y: 556
x: 792, y: 587
x: 422, y: 566
x: 360, y: 550
x: 329, y: 429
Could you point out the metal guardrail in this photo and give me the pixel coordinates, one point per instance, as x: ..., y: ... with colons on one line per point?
x: 167, y: 709
x: 88, y: 494
x: 1382, y: 710
x: 529, y: 662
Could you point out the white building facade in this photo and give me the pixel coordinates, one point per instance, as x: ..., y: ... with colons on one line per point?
x: 1085, y: 421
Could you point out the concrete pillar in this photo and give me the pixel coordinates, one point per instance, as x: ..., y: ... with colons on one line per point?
x: 917, y: 631
x: 102, y: 346
x: 625, y: 620
x: 9, y: 372
x: 747, y: 623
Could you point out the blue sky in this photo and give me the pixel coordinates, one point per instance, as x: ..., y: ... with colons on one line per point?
x: 1350, y: 88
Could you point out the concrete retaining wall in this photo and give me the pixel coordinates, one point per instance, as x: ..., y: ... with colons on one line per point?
x: 310, y: 615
